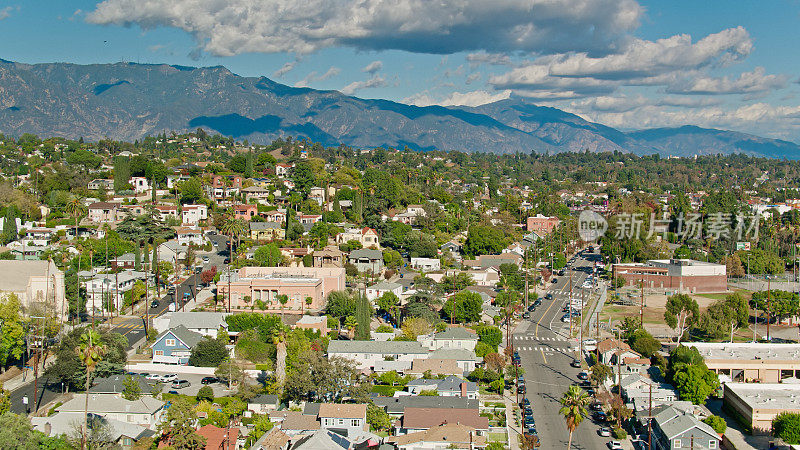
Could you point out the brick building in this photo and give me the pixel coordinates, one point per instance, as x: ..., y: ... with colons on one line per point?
x: 681, y: 275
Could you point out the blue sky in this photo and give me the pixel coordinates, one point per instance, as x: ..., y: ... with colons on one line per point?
x: 726, y: 64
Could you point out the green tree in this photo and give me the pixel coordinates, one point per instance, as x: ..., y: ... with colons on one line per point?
x: 464, y: 306
x: 177, y: 427
x: 717, y: 423
x: 695, y: 383
x: 350, y: 323
x: 378, y: 418
x: 392, y: 259
x: 205, y: 394
x: 131, y: 389
x: 484, y: 240
x: 230, y: 372
x: 725, y: 316
x: 786, y: 426
x: 90, y: 351
x: 122, y: 173
x: 363, y: 316
x: 490, y: 335
x: 12, y: 341
x: 191, y: 191
x: 600, y: 373
x: 642, y: 342
x: 208, y: 353
x: 573, y: 409
x: 390, y: 303
x: 681, y: 313
x: 268, y: 256
x: 16, y: 432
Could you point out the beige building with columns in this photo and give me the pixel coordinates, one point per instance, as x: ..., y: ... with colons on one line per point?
x: 249, y: 285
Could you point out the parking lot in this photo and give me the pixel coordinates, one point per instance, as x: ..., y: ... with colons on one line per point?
x: 220, y: 389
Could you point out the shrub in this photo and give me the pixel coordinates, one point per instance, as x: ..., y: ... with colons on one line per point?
x: 619, y: 433
x: 205, y: 393
x: 787, y: 427
x: 717, y: 423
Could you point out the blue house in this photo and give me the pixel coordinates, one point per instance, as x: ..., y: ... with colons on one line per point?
x: 174, y: 346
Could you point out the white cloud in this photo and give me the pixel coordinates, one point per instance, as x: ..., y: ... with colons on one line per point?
x: 374, y: 82
x: 756, y: 81
x: 5, y: 13
x: 473, y: 77
x: 474, y: 98
x: 225, y: 28
x: 495, y: 59
x: 373, y: 67
x: 286, y: 68
x: 313, y: 77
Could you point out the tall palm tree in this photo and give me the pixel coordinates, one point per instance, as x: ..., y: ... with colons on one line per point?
x: 279, y: 339
x: 90, y: 351
x: 573, y: 408
x: 75, y: 208
x: 233, y: 227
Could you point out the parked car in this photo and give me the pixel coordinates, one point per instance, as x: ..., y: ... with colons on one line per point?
x: 526, y: 315
x: 528, y: 421
x: 596, y: 406
x: 154, y: 304
x: 206, y: 259
x: 615, y: 445
x: 525, y: 402
x: 566, y: 318
x: 583, y: 376
x: 153, y: 377
x: 528, y: 411
x: 548, y: 296
x: 575, y: 363
x: 180, y: 384
x: 604, y: 431
x: 599, y: 416
x: 209, y: 380
x: 167, y: 377
x: 531, y: 307
x: 521, y: 389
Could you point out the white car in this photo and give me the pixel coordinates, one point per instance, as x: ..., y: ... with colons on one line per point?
x: 589, y: 342
x: 605, y: 432
x: 615, y: 445
x: 169, y: 377
x: 153, y: 377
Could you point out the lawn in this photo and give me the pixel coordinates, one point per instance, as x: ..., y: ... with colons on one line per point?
x: 497, y: 437
x: 386, y: 390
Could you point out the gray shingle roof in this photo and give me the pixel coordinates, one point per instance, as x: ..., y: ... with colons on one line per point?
x: 396, y: 405
x: 456, y: 333
x: 459, y: 354
x: 190, y: 338
x: 674, y: 423
x: 264, y: 225
x: 366, y: 253
x: 114, y: 384
x: 112, y: 403
x: 386, y: 347
x: 197, y: 319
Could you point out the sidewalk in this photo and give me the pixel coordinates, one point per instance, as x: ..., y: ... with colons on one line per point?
x: 512, y: 425
x: 24, y: 376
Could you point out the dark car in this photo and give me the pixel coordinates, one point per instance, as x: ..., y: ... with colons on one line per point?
x: 575, y: 363
x: 515, y: 356
x: 537, y: 302
x: 526, y: 315
x: 173, y: 392
x: 521, y: 389
x: 531, y: 307
x: 531, y: 430
x: 528, y: 421
x: 528, y: 411
x: 226, y: 261
x: 548, y: 296
x: 599, y: 416
x: 154, y: 304
x: 208, y: 380
x: 524, y: 402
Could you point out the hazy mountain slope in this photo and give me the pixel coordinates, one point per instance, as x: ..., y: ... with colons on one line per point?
x: 129, y: 101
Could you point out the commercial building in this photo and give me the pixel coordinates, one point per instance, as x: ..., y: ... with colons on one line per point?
x: 542, y: 225
x: 751, y: 362
x: 681, y: 275
x: 265, y: 284
x: 759, y: 403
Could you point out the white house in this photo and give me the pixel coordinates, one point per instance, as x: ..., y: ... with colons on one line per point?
x: 146, y: 411
x: 140, y: 184
x: 347, y: 416
x: 367, y: 353
x: 452, y: 338
x: 190, y: 235
x: 206, y: 323
x: 366, y: 236
x: 191, y: 215
x: 380, y: 288
x: 426, y: 264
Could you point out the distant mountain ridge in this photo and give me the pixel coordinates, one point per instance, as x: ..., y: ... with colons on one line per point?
x: 128, y: 101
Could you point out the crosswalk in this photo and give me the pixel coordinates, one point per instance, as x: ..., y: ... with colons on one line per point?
x: 129, y: 325
x: 540, y: 339
x: 546, y: 349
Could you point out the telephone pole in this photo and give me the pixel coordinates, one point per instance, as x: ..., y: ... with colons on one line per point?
x: 649, y: 422
x: 769, y: 307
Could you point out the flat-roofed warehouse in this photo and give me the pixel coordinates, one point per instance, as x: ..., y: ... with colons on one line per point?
x: 681, y: 275
x: 748, y: 361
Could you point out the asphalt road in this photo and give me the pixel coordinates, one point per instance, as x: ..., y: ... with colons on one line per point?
x: 546, y: 352
x: 133, y: 327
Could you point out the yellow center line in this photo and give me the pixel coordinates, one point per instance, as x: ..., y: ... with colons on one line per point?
x: 543, y: 357
x: 543, y: 316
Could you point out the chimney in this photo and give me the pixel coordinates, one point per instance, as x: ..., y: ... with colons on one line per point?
x: 464, y: 389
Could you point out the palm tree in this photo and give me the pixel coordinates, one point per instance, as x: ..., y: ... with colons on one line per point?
x: 233, y: 227
x: 90, y: 351
x: 279, y: 339
x: 573, y: 408
x: 351, y: 323
x: 283, y: 299
x: 75, y: 208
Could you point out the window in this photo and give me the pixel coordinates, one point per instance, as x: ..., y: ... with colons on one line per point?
x: 127, y: 442
x: 356, y: 422
x: 159, y: 352
x: 341, y: 421
x: 169, y: 342
x: 712, y: 443
x: 676, y: 443
x: 131, y: 417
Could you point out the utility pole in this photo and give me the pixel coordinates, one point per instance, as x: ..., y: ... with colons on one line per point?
x: 39, y: 341
x: 649, y: 422
x: 641, y: 303
x: 91, y: 272
x: 569, y: 301
x: 769, y: 308
x: 526, y: 279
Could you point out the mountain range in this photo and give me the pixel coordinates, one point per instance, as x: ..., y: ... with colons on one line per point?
x: 128, y: 101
